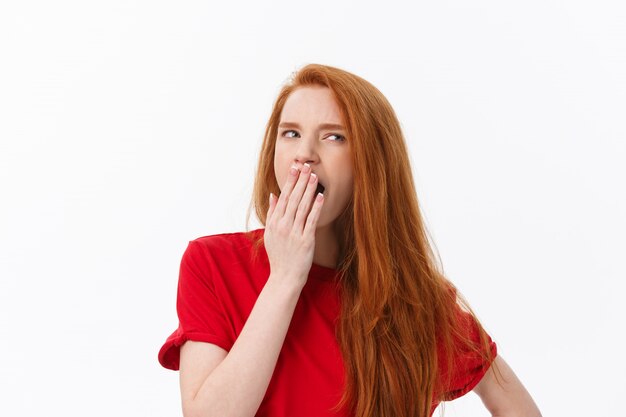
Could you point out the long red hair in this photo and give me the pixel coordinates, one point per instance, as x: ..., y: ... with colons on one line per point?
x: 399, y: 314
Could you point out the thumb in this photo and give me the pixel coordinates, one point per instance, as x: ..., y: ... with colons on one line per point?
x: 271, y: 207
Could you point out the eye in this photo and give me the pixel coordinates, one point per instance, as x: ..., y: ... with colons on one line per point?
x: 287, y: 132
x: 340, y: 138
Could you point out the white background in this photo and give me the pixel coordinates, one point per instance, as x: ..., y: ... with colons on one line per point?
x: 129, y: 128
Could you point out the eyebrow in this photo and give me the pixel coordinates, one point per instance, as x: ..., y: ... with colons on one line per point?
x: 326, y: 126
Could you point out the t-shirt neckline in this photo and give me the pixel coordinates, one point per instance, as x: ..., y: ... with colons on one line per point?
x: 322, y: 272
x: 317, y: 271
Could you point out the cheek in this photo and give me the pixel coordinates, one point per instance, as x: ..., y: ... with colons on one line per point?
x: 282, y: 162
x: 276, y: 167
x: 347, y: 177
x: 280, y: 173
x: 348, y: 190
x: 343, y: 192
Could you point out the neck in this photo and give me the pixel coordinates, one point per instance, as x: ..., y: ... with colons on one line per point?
x: 326, y: 247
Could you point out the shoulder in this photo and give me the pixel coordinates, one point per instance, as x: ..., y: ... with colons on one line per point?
x: 225, y: 242
x: 223, y: 251
x: 229, y: 238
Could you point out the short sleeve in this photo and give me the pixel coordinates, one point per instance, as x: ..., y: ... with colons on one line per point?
x: 469, y: 366
x: 201, y: 316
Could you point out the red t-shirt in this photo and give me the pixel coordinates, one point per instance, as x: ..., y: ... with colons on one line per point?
x: 218, y: 285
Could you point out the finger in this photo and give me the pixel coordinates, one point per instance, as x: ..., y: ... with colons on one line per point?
x: 271, y: 207
x: 311, y: 221
x: 306, y: 202
x: 296, y: 193
x: 281, y: 204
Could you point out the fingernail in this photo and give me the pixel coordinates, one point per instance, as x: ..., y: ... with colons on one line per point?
x: 313, y: 178
x: 307, y: 167
x: 293, y: 170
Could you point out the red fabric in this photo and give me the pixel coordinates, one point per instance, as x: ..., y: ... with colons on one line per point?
x: 218, y: 285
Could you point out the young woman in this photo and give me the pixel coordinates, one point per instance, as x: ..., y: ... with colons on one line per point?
x: 337, y: 306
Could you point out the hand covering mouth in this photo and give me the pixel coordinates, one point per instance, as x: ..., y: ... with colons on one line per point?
x: 320, y: 188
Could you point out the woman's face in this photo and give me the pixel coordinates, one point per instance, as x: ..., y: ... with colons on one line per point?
x: 311, y: 130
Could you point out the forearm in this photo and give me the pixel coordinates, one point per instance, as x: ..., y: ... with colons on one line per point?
x: 530, y: 410
x: 529, y: 413
x: 236, y: 387
x: 505, y: 395
x: 525, y: 407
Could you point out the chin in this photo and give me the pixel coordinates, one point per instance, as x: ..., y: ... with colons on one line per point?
x: 323, y: 222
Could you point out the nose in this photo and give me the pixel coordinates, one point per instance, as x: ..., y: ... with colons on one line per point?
x: 305, y: 153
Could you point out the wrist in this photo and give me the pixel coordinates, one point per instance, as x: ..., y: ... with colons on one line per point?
x: 285, y: 285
